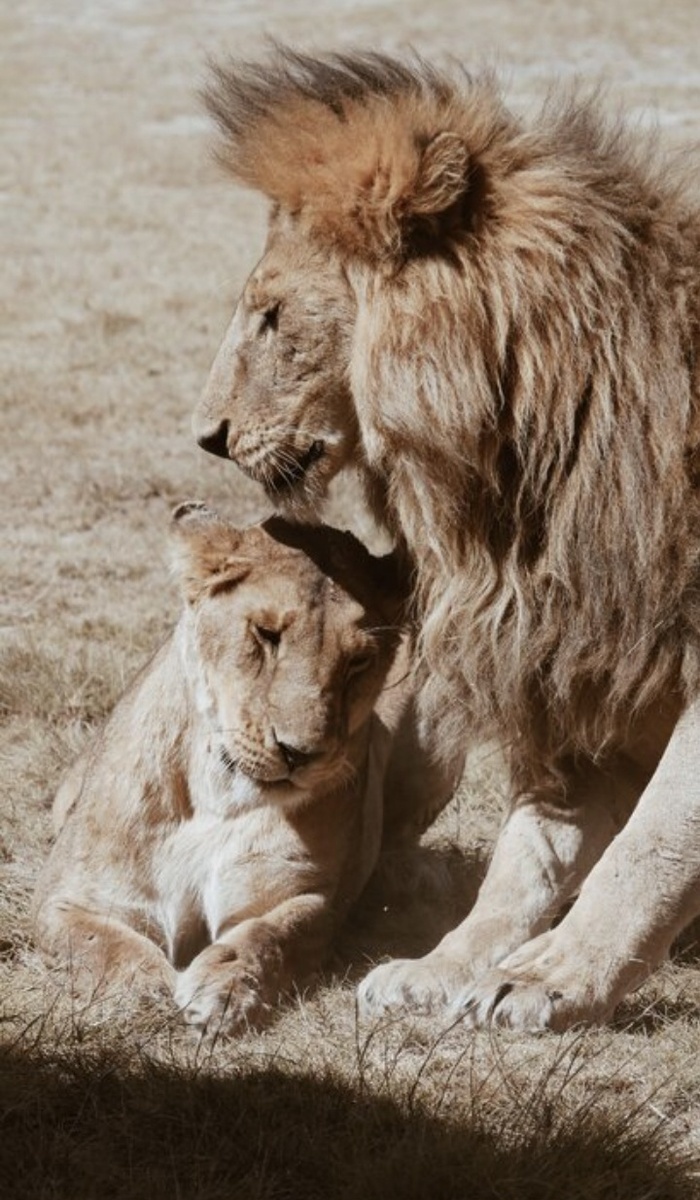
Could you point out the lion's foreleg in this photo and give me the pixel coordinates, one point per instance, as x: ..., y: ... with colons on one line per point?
x: 100, y: 950
x: 424, y: 769
x: 640, y: 895
x: 541, y: 856
x: 238, y: 980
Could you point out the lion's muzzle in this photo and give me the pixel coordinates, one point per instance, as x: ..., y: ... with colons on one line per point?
x: 286, y: 470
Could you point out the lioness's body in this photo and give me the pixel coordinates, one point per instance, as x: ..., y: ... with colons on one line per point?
x: 193, y: 852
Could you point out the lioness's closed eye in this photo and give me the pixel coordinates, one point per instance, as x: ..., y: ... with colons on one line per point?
x: 231, y: 809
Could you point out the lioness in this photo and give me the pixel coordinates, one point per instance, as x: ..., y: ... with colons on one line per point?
x: 496, y: 321
x: 231, y: 809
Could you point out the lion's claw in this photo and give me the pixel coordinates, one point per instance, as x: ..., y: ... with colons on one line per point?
x: 540, y: 986
x: 495, y: 1000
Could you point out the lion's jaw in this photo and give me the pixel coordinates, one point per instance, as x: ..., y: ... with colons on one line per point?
x: 278, y: 401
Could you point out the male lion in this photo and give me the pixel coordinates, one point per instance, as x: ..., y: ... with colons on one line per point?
x: 231, y: 809
x: 497, y: 324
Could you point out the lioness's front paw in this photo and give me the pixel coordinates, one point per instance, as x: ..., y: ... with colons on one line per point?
x: 223, y: 1000
x: 423, y: 986
x: 539, y: 987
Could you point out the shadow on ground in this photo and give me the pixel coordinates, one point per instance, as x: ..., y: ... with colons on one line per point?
x: 416, y: 896
x: 83, y: 1126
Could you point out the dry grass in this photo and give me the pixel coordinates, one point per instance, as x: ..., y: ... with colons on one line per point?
x: 115, y: 1121
x: 124, y: 252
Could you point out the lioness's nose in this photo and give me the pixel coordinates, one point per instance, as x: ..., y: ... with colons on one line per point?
x: 215, y: 441
x: 293, y: 757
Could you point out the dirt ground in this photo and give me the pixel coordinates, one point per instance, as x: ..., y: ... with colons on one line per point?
x: 123, y: 252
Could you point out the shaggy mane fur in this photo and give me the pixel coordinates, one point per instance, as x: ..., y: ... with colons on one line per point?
x: 524, y: 372
x: 359, y: 144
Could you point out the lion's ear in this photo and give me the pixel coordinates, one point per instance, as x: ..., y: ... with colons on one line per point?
x: 442, y: 175
x: 206, y: 551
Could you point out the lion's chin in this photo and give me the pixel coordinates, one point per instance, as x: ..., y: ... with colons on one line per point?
x: 299, y: 490
x: 265, y: 778
x: 302, y: 501
x: 253, y: 773
x: 299, y: 504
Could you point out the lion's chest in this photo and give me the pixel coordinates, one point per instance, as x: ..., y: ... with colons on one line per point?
x: 214, y: 871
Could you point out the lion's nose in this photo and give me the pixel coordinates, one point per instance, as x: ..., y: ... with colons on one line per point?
x: 215, y: 441
x: 294, y: 757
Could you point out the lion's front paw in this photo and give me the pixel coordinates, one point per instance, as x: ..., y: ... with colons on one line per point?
x: 422, y: 986
x: 538, y: 987
x: 224, y: 999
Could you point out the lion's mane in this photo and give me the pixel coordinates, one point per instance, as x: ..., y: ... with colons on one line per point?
x: 524, y: 372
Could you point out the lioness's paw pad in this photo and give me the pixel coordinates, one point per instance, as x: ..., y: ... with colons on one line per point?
x: 229, y: 1006
x: 422, y: 987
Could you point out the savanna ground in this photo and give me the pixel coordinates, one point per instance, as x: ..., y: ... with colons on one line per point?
x: 124, y: 250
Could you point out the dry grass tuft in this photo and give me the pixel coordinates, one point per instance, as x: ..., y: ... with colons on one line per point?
x: 91, y: 1120
x: 81, y: 682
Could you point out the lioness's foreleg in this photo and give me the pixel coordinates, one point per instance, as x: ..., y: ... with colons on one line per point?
x: 236, y: 981
x: 101, y: 950
x: 642, y: 893
x: 541, y: 856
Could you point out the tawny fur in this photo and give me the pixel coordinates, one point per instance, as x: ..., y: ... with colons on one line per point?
x: 218, y: 828
x: 523, y: 370
x: 496, y: 323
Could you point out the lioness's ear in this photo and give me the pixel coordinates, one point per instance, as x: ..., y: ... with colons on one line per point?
x: 205, y: 551
x: 442, y: 175
x: 193, y: 513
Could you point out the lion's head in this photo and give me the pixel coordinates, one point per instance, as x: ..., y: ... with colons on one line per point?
x: 278, y: 400
x: 496, y: 325
x: 290, y: 633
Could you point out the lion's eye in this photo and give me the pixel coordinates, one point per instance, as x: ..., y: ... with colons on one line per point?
x: 270, y: 317
x: 267, y: 636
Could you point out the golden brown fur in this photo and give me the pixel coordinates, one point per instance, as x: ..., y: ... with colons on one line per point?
x: 231, y: 809
x: 555, y: 375
x: 515, y: 346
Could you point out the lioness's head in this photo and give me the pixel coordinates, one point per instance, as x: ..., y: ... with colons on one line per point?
x: 290, y: 632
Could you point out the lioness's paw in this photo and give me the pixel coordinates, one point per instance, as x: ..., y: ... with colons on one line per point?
x: 537, y: 988
x: 423, y: 986
x: 224, y: 1001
